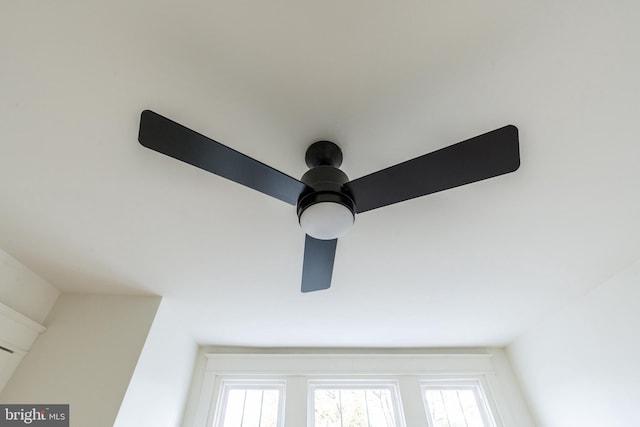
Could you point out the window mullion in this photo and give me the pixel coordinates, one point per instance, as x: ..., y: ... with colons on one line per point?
x: 244, y: 406
x: 262, y: 407
x: 296, y: 404
x: 340, y: 406
x: 412, y: 402
x: 444, y: 406
x: 464, y: 414
x: 366, y: 406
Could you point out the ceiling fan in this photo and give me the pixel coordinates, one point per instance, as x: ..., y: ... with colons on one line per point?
x: 325, y: 199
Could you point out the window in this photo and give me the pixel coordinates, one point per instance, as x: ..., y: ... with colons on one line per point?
x: 456, y: 403
x: 354, y: 404
x: 416, y: 389
x: 250, y: 404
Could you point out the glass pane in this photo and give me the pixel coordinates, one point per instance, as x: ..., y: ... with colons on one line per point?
x: 270, y: 409
x: 454, y: 408
x: 353, y: 407
x: 380, y: 408
x: 470, y: 407
x: 354, y: 413
x: 251, y: 408
x: 327, y: 405
x: 235, y: 408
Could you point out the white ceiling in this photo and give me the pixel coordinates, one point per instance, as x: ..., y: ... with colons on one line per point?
x: 88, y: 208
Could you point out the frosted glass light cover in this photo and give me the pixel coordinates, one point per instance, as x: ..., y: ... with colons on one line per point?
x: 326, y: 220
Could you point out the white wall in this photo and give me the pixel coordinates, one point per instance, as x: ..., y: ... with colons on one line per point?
x: 86, y: 357
x: 158, y: 389
x: 580, y: 367
x: 23, y: 290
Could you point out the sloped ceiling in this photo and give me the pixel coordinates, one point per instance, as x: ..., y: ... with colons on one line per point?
x: 88, y: 208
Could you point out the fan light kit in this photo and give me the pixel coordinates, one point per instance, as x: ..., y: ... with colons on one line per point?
x: 326, y: 200
x: 326, y: 220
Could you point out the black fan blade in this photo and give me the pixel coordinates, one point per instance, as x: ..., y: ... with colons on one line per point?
x: 317, y: 267
x: 485, y: 156
x: 168, y: 137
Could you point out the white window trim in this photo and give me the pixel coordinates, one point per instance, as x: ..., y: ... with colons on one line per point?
x: 408, y: 369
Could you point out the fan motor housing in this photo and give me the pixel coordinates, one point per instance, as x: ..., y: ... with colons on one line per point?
x: 324, y: 177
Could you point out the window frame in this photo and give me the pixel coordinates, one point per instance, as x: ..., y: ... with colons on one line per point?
x: 355, y: 383
x: 227, y: 383
x: 478, y: 384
